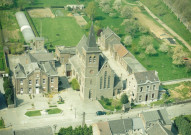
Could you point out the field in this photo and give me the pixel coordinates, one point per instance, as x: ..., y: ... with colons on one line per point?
x: 59, y: 31
x: 169, y: 18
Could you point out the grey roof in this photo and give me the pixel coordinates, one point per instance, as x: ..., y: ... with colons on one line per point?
x: 108, y: 32
x: 134, y: 64
x: 35, y: 131
x: 118, y: 84
x: 49, y: 69
x: 143, y: 77
x: 19, y: 71
x: 102, y: 60
x: 81, y: 43
x: 158, y: 129
x: 43, y: 56
x: 68, y: 50
x: 104, y: 128
x: 76, y: 62
x: 25, y: 26
x: 138, y: 124
x: 68, y: 67
x: 91, y: 44
x: 157, y: 115
x: 29, y: 68
x: 121, y: 126
x: 6, y: 131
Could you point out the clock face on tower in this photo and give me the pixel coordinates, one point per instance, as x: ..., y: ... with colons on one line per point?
x: 91, y: 71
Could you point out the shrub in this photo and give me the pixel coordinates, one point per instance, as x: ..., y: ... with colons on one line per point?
x: 75, y: 85
x: 124, y: 99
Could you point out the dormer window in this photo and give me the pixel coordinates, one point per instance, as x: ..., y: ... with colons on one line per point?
x: 90, y: 59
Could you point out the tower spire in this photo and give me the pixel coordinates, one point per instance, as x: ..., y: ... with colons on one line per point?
x: 91, y: 41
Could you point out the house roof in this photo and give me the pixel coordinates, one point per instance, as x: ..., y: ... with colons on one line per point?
x: 134, y: 64
x: 108, y: 32
x: 118, y: 84
x: 158, y: 129
x: 76, y: 62
x: 81, y: 43
x: 137, y: 124
x: 43, y: 56
x: 121, y: 126
x: 19, y: 71
x: 49, y: 69
x: 35, y: 131
x: 120, y: 49
x: 6, y: 131
x: 143, y: 77
x: 67, y: 50
x: 104, y: 128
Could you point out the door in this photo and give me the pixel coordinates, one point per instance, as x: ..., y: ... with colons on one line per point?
x: 37, y: 90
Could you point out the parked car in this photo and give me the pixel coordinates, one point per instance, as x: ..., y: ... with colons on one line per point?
x: 100, y: 113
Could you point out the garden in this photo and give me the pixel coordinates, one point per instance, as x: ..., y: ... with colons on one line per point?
x: 38, y: 112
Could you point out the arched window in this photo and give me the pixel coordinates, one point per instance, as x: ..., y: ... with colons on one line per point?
x: 90, y: 59
x: 105, y: 77
x: 108, y: 83
x: 153, y: 95
x: 94, y: 59
x: 100, y: 82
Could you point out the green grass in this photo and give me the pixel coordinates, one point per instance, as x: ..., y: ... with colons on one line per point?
x: 52, y: 105
x: 2, y: 124
x: 169, y: 18
x: 115, y: 104
x: 33, y: 113
x: 59, y: 31
x: 54, y: 111
x: 60, y: 102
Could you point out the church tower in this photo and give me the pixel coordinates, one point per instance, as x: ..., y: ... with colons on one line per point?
x: 90, y: 65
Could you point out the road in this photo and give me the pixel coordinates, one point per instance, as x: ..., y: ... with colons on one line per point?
x: 166, y: 27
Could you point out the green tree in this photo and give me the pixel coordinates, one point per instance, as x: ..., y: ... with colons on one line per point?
x: 178, y: 56
x: 126, y: 12
x: 124, y: 99
x: 128, y: 40
x: 75, y: 84
x: 164, y: 47
x: 91, y: 10
x: 145, y: 41
x: 150, y: 50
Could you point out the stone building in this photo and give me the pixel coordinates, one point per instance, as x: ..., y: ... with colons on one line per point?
x: 143, y: 87
x: 92, y: 70
x: 34, y: 72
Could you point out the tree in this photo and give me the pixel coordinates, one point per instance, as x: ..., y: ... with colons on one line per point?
x: 145, y: 41
x: 75, y: 84
x: 103, y: 3
x: 132, y: 27
x: 188, y: 66
x: 150, y: 50
x: 164, y: 47
x: 128, y: 40
x: 124, y: 99
x: 179, y: 55
x: 91, y: 10
x: 183, y: 125
x: 117, y: 5
x: 106, y: 8
x: 126, y: 12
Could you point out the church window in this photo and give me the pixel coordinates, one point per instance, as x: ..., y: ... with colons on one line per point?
x: 90, y: 59
x: 108, y: 83
x: 105, y: 77
x: 100, y: 82
x: 94, y: 59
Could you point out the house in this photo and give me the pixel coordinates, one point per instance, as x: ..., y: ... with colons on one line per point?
x: 34, y: 72
x: 101, y: 128
x: 6, y: 131
x: 143, y: 87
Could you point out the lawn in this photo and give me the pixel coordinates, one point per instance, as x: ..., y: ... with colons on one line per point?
x: 59, y: 31
x: 2, y: 124
x: 169, y: 18
x: 111, y: 105
x: 53, y: 111
x: 33, y: 113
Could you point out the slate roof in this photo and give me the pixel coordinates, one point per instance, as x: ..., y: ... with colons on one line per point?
x: 134, y: 64
x: 67, y: 50
x: 118, y: 84
x: 43, y: 56
x: 121, y: 126
x: 157, y: 115
x: 120, y: 49
x: 108, y: 32
x: 6, y: 131
x: 137, y: 124
x: 104, y: 128
x: 81, y: 43
x: 19, y: 71
x: 31, y: 67
x: 35, y: 131
x: 76, y: 62
x: 49, y: 69
x: 158, y: 129
x: 143, y: 77
x: 102, y: 60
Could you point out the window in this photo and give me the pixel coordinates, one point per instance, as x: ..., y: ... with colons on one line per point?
x: 36, y: 81
x: 105, y: 75
x: 30, y: 90
x: 108, y: 83
x: 100, y: 82
x: 141, y: 89
x: 21, y: 90
x: 43, y: 81
x: 21, y: 81
x: 140, y: 98
x: 90, y: 59
x: 153, y: 87
x: 30, y: 82
x: 52, y: 80
x: 147, y: 88
x: 94, y: 59
x: 37, y: 75
x: 153, y: 95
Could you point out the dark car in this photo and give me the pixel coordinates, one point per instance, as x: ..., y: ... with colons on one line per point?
x: 100, y: 113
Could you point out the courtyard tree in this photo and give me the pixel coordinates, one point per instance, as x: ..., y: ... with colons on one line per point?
x: 164, y: 47
x: 91, y: 10
x: 150, y: 50
x: 126, y: 12
x: 179, y: 55
x: 128, y: 40
x: 124, y: 99
x: 145, y: 41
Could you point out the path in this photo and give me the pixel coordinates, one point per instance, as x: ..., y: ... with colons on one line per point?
x: 166, y: 27
x: 175, y: 81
